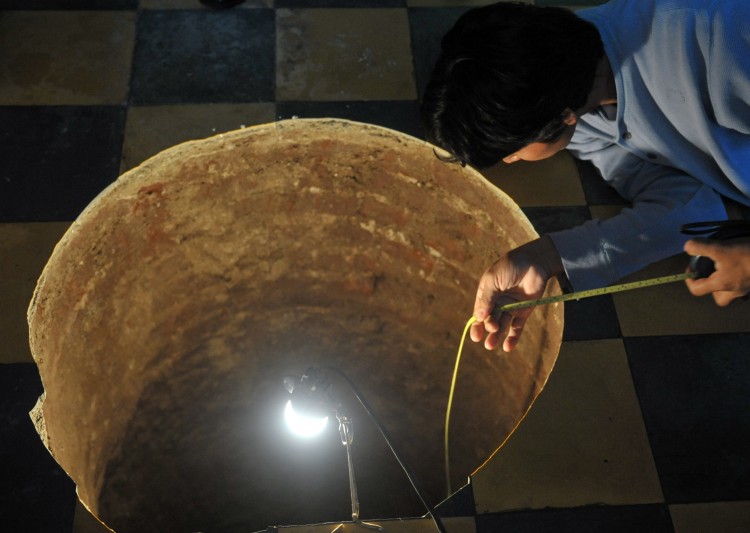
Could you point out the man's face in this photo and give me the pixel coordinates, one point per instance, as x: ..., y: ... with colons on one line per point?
x: 540, y: 150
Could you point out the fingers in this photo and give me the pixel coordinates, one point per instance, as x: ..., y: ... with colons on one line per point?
x: 724, y: 298
x: 492, y: 341
x: 701, y: 287
x: 730, y: 277
x: 700, y: 247
x: 491, y: 324
x: 713, y: 285
x: 515, y: 329
x: 485, y: 299
x: 505, y: 331
x: 486, y: 324
x: 477, y: 331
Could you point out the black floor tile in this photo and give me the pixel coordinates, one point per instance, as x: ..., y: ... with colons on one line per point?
x: 60, y: 5
x: 428, y: 25
x: 695, y: 397
x: 398, y: 115
x: 548, y: 219
x: 339, y: 3
x: 35, y: 493
x: 595, y: 189
x: 460, y: 503
x: 591, y: 318
x: 593, y: 519
x: 204, y: 56
x: 55, y: 160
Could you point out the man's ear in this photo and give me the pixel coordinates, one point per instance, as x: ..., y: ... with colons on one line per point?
x: 570, y: 117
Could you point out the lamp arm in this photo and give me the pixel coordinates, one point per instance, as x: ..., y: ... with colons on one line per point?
x: 412, y: 479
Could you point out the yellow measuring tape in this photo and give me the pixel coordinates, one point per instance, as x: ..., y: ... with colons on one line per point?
x: 543, y: 301
x: 598, y: 292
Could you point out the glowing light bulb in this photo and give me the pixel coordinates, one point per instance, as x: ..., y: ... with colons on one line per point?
x: 303, y: 426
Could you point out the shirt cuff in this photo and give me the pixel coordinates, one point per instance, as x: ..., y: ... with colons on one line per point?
x: 584, y: 258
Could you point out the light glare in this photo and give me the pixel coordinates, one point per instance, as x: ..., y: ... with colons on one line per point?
x: 303, y: 426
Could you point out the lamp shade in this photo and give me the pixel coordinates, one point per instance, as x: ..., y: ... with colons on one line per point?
x: 173, y: 308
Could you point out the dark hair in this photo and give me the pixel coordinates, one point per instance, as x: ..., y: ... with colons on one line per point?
x: 505, y: 76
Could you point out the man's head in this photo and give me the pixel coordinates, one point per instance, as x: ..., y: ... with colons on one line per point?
x: 509, y: 75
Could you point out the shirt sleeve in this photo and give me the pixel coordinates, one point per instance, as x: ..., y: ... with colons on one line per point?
x: 728, y: 79
x: 600, y: 252
x: 728, y: 69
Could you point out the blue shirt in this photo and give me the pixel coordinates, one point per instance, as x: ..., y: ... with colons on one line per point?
x: 678, y: 138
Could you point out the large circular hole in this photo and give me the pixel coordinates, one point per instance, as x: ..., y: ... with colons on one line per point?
x: 170, y: 312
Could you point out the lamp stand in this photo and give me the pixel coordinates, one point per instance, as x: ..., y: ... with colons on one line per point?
x: 347, y: 435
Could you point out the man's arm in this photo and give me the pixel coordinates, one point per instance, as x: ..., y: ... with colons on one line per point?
x: 597, y: 253
x: 662, y: 199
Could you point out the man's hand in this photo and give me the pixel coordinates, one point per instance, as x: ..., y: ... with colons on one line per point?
x: 732, y: 263
x: 519, y: 275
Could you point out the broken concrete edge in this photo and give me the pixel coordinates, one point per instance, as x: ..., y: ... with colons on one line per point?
x: 37, y: 418
x: 394, y: 525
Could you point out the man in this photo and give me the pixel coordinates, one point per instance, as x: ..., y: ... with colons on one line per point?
x: 655, y: 93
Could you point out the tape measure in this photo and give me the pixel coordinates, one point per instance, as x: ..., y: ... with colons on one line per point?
x: 542, y: 301
x: 598, y: 292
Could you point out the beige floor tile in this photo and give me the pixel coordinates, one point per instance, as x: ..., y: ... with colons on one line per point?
x: 24, y: 250
x: 671, y: 310
x: 65, y: 58
x: 149, y: 130
x: 343, y: 54
x: 550, y: 182
x: 719, y: 517
x: 603, y: 212
x: 583, y: 441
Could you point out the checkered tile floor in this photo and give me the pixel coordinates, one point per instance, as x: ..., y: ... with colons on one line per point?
x: 645, y: 422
